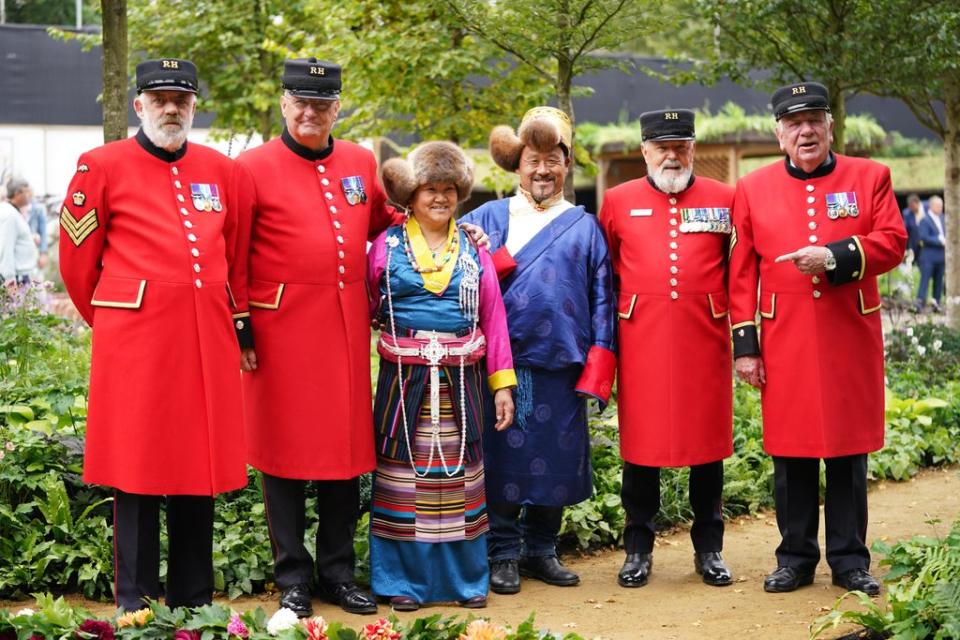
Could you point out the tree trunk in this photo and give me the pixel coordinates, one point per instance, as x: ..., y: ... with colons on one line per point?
x: 951, y: 200
x: 838, y: 108
x: 114, y: 69
x: 263, y: 61
x: 565, y: 104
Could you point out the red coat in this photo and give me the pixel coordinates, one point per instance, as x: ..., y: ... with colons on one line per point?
x: 308, y: 405
x: 821, y: 340
x: 674, y: 367
x: 148, y: 270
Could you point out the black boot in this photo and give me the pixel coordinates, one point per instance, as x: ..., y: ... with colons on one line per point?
x: 548, y: 569
x: 504, y: 577
x: 713, y: 569
x: 635, y: 570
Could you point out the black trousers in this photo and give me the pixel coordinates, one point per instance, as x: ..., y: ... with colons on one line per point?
x: 338, y: 507
x: 640, y: 497
x: 136, y: 548
x: 797, y: 496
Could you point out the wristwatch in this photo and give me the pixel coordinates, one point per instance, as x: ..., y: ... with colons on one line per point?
x: 830, y: 263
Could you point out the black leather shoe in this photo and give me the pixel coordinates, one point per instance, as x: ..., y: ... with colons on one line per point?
x: 297, y: 599
x: 857, y: 580
x: 635, y: 570
x: 550, y: 570
x: 713, y: 569
x: 350, y: 597
x: 504, y: 577
x: 786, y: 579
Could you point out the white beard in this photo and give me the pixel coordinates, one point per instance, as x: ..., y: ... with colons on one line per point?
x: 163, y: 138
x: 674, y: 184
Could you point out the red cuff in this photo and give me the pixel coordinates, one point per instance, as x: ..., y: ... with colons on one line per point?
x: 597, y: 377
x: 503, y: 262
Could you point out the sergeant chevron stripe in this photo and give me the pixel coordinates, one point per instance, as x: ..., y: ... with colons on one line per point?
x: 79, y: 230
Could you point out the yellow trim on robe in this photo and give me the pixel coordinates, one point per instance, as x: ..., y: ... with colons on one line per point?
x: 713, y: 311
x: 863, y: 258
x: 238, y: 316
x: 436, y: 281
x: 270, y: 305
x: 773, y: 308
x: 750, y: 323
x: 863, y: 307
x: 502, y: 379
x: 629, y: 313
x: 122, y: 305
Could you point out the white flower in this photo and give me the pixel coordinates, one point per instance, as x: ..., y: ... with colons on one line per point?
x: 937, y: 344
x: 909, y: 332
x: 283, y: 619
x: 915, y: 340
x: 23, y: 612
x: 921, y: 349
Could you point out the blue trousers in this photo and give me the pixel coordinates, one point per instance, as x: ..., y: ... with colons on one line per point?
x: 931, y: 268
x: 517, y: 530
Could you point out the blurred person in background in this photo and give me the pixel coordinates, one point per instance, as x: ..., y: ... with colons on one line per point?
x: 18, y: 252
x: 931, y: 240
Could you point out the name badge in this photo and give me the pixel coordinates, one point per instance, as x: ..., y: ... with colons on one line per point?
x: 705, y: 220
x: 634, y: 213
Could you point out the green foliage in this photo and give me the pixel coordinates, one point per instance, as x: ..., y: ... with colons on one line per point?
x: 413, y: 68
x: 900, y: 146
x: 923, y: 591
x: 63, y: 12
x: 731, y: 124
x: 57, y: 620
x: 922, y: 356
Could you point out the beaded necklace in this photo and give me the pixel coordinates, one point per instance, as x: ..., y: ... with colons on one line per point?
x: 437, y: 265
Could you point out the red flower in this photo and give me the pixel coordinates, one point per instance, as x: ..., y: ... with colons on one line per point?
x: 186, y: 634
x: 97, y: 629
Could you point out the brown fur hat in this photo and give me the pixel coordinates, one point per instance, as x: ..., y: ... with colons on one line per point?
x: 437, y: 161
x: 542, y: 129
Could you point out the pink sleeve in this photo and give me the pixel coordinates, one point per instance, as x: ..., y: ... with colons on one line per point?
x: 376, y: 263
x: 493, y: 321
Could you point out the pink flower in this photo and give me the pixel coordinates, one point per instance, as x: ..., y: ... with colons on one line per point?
x: 236, y: 627
x: 316, y: 628
x: 382, y: 629
x: 96, y: 629
x: 186, y: 634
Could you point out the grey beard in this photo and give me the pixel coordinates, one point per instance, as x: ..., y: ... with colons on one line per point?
x: 163, y: 139
x: 672, y: 185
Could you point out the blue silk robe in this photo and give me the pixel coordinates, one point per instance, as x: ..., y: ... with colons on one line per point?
x: 560, y: 309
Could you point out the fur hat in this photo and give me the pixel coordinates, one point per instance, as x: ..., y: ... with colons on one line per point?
x: 542, y: 129
x: 436, y: 161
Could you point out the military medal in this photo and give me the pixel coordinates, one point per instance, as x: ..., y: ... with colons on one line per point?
x: 353, y: 189
x: 705, y: 220
x: 842, y: 205
x: 215, y: 198
x: 197, y: 195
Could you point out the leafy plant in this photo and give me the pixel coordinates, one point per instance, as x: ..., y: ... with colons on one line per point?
x: 923, y: 592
